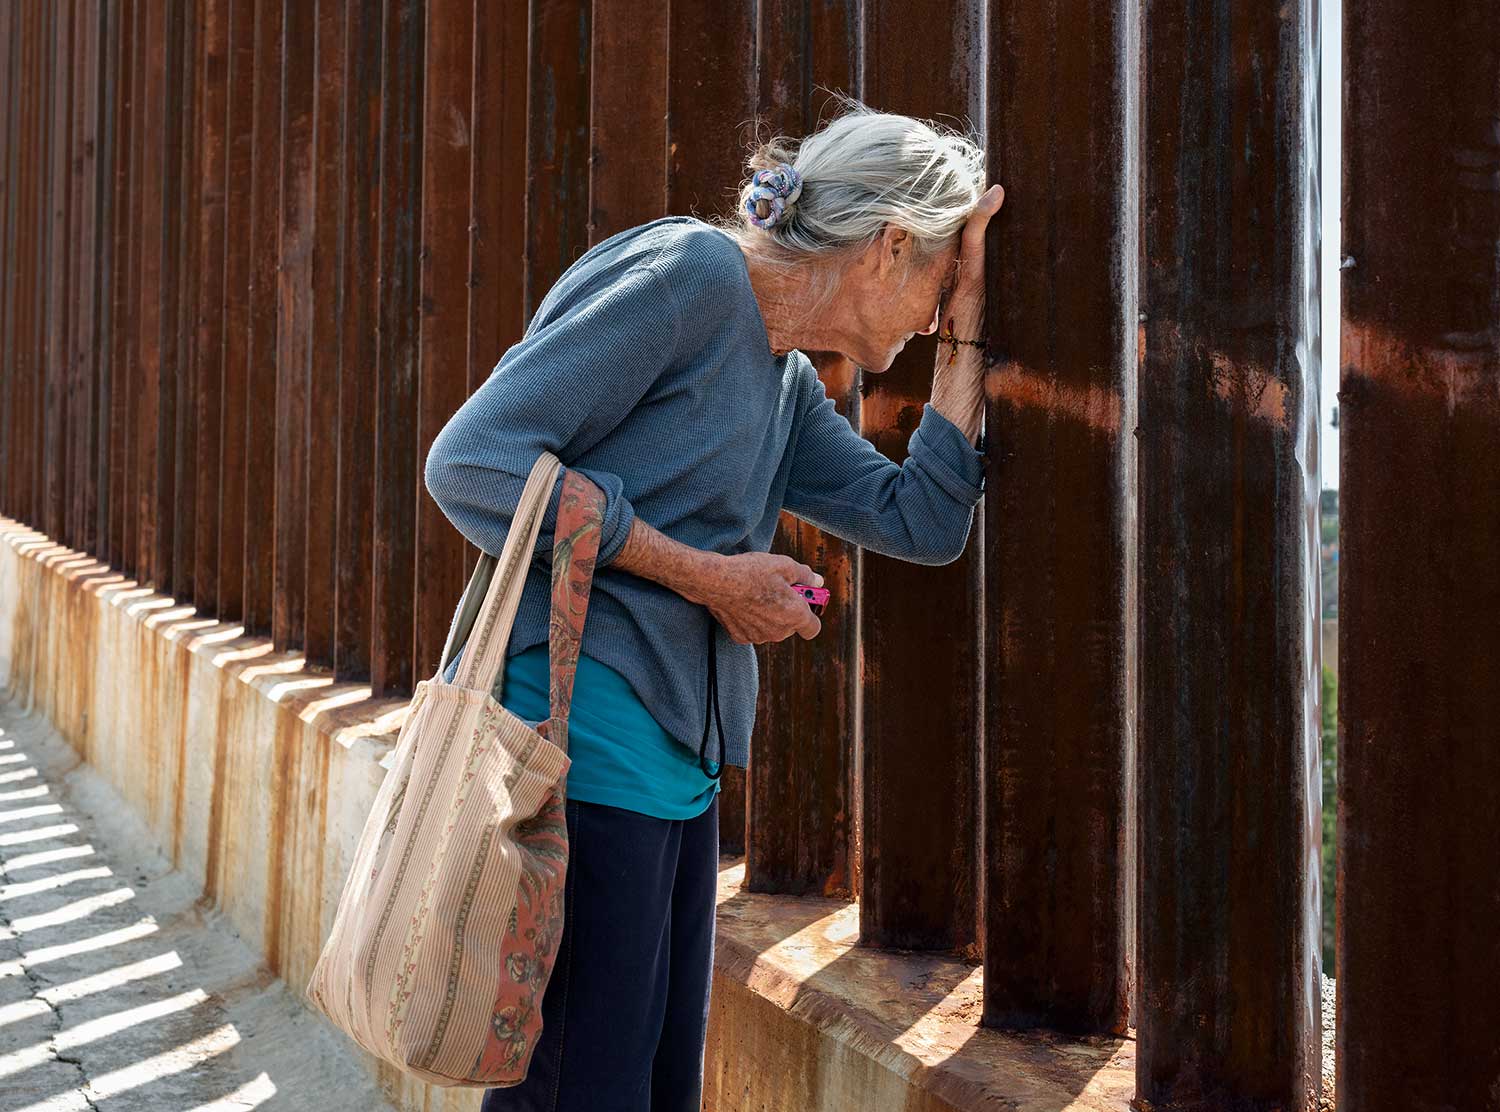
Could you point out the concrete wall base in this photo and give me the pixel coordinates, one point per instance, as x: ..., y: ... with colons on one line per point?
x: 254, y: 773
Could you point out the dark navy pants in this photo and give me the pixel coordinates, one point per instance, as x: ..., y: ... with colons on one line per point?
x: 625, y: 1014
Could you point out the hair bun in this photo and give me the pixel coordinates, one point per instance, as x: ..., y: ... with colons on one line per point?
x: 772, y: 195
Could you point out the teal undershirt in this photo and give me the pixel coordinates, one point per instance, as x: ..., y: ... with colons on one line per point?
x: 620, y: 754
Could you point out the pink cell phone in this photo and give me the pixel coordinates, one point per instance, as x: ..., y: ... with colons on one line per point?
x: 817, y: 597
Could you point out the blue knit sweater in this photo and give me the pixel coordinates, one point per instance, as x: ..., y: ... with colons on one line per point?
x: 648, y: 368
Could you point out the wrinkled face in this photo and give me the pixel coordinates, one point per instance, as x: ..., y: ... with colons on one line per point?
x: 893, y: 304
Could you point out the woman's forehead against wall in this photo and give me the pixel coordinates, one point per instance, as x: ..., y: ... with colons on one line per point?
x: 852, y: 233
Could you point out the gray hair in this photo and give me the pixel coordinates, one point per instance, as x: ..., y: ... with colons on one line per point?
x: 860, y: 171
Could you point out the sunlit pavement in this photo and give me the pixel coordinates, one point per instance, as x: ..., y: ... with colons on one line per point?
x: 117, y: 991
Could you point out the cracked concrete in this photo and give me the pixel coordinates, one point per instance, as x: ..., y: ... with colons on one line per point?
x: 119, y: 989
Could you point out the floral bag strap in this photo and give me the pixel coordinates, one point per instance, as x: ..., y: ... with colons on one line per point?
x: 575, y: 550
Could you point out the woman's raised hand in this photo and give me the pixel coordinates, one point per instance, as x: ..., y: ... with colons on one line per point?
x: 964, y: 312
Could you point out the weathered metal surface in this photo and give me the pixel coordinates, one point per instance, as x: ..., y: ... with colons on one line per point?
x: 1058, y: 708
x: 152, y: 57
x: 180, y: 330
x: 239, y: 137
x: 919, y: 723
x: 1228, y: 737
x: 76, y: 377
x: 117, y: 381
x: 397, y: 479
x: 169, y: 433
x: 258, y: 412
x: 557, y: 144
x: 628, y: 50
x: 443, y: 322
x: 55, y: 362
x: 1419, y: 583
x: 497, y: 225
x: 358, y: 291
x: 208, y: 349
x: 321, y: 568
x: 90, y: 263
x: 297, y: 303
x: 19, y: 44
x: 708, y: 104
x: 497, y: 283
x: 799, y: 780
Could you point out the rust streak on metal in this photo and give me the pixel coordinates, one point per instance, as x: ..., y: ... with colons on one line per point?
x: 295, y: 306
x: 917, y: 767
x: 628, y: 51
x: 1058, y: 713
x: 321, y: 566
x: 1228, y: 729
x: 358, y: 289
x: 239, y: 138
x: 800, y: 790
x: 393, y: 630
x: 447, y: 204
x: 258, y: 411
x: 1419, y: 582
x: 208, y: 347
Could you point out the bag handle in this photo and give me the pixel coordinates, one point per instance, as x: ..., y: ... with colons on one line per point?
x: 580, y: 519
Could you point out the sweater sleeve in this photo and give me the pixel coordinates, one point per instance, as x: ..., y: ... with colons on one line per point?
x: 562, y: 389
x: 920, y: 510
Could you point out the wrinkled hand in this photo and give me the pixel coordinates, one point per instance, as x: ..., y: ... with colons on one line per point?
x: 964, y: 312
x: 751, y: 596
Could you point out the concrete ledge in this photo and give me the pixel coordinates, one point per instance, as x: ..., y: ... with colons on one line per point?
x: 803, y: 1018
x: 254, y: 773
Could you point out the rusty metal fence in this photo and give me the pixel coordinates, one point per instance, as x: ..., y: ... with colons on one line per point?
x: 257, y: 251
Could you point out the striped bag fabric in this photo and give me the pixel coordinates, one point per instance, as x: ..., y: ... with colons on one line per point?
x: 450, y: 919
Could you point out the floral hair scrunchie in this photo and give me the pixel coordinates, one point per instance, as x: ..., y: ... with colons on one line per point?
x: 772, y: 195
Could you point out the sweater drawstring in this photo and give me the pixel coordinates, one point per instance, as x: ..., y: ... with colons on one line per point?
x: 712, y: 714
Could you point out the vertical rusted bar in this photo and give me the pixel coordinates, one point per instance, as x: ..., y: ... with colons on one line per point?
x: 1058, y: 714
x: 208, y: 348
x: 151, y: 297
x: 1419, y: 583
x: 77, y: 262
x: 358, y: 314
x: 707, y: 106
x: 109, y: 170
x: 130, y: 448
x: 44, y: 133
x: 294, y: 316
x: 396, y: 475
x: 628, y: 116
x: 36, y: 269
x: 1228, y: 765
x: 122, y: 286
x: 90, y: 271
x: 11, y: 76
x: 557, y: 143
x: 919, y: 632
x: 239, y: 142
x: 259, y: 412
x: 446, y: 119
x: 497, y: 228
x: 57, y: 365
x: 183, y: 338
x: 798, y: 790
x: 169, y: 155
x: 497, y: 277
x: 323, y: 374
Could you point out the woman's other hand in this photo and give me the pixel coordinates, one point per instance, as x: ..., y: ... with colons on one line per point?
x: 751, y: 596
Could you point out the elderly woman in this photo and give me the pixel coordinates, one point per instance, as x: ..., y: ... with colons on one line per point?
x: 667, y: 366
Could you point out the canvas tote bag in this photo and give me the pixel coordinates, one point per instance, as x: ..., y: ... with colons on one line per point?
x: 451, y: 916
